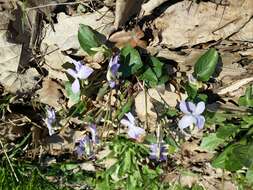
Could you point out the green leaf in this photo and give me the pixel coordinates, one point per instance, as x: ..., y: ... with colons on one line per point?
x: 216, y: 117
x: 206, y: 65
x: 88, y: 38
x: 220, y: 160
x: 191, y: 90
x: 248, y: 119
x: 149, y: 76
x: 247, y: 99
x: 155, y: 72
x: 211, y: 142
x: 131, y: 61
x: 68, y: 166
x: 244, y: 154
x: 234, y: 157
x: 201, y: 97
x: 157, y: 66
x: 102, y: 91
x: 125, y: 108
x: 74, y: 97
x: 226, y: 131
x: 78, y: 109
x: 127, y: 162
x: 149, y: 172
x: 249, y: 174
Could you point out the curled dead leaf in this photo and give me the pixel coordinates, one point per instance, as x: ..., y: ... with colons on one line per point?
x: 132, y: 37
x: 50, y: 93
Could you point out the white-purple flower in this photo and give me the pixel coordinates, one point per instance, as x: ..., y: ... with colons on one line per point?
x: 94, y: 135
x: 84, y: 147
x: 134, y: 132
x: 112, y: 73
x: 80, y: 72
x: 50, y: 120
x: 192, y: 79
x: 158, y: 152
x: 192, y: 115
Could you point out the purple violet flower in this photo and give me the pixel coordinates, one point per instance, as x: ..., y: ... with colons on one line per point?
x: 192, y: 115
x: 80, y: 72
x: 192, y: 79
x: 112, y: 73
x: 94, y: 135
x: 158, y: 153
x: 50, y: 120
x: 81, y: 148
x: 134, y: 132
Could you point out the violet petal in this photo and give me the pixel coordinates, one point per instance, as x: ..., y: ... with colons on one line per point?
x: 76, y: 86
x: 200, y: 121
x: 72, y: 73
x: 199, y: 108
x: 126, y: 123
x: 130, y: 117
x: 135, y: 132
x: 114, y: 69
x: 187, y: 107
x: 84, y: 72
x: 186, y: 121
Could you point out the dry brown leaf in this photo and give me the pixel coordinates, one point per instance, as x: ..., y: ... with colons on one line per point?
x: 245, y: 34
x: 54, y: 63
x: 9, y: 61
x: 153, y: 96
x: 188, y: 180
x: 205, y: 22
x: 9, y: 54
x: 20, y: 83
x: 88, y: 166
x: 65, y: 38
x: 131, y: 37
x: 67, y: 27
x: 148, y: 7
x: 64, y: 142
x: 124, y: 10
x: 13, y: 127
x: 50, y: 93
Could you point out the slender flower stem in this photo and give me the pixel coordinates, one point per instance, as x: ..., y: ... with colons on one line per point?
x: 158, y: 137
x: 146, y: 106
x: 7, y: 157
x: 107, y: 114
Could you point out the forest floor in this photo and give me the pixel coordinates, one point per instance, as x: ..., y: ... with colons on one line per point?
x: 125, y: 94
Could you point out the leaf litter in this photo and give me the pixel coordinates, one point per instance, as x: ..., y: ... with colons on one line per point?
x: 178, y: 36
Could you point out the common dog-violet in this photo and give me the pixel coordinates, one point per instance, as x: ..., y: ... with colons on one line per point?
x: 192, y: 115
x: 80, y: 72
x: 87, y: 143
x: 134, y: 132
x: 112, y: 72
x: 94, y: 136
x: 84, y: 147
x: 50, y: 120
x: 158, y: 152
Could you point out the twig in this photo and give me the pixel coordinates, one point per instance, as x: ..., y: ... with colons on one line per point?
x: 53, y: 4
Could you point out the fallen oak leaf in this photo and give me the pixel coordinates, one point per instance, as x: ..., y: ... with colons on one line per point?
x: 132, y: 37
x: 50, y: 93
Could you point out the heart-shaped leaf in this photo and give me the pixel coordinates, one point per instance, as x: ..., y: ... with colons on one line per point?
x: 88, y: 39
x: 131, y: 61
x: 206, y: 64
x: 247, y: 99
